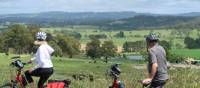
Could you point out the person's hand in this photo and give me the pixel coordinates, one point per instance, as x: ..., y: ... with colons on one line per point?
x: 30, y: 70
x: 29, y: 62
x: 146, y: 81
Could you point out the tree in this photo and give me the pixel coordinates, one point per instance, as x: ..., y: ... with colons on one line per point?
x: 190, y: 43
x: 33, y: 30
x: 69, y: 45
x: 58, y: 50
x: 134, y: 46
x: 108, y: 50
x: 98, y: 36
x: 73, y: 46
x: 165, y: 44
x: 74, y: 34
x: 18, y: 38
x: 93, y: 49
x: 120, y: 34
x: 2, y: 44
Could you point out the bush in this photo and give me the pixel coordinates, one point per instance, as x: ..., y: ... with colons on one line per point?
x: 138, y: 36
x: 98, y: 36
x: 58, y: 50
x: 173, y: 58
x: 120, y: 35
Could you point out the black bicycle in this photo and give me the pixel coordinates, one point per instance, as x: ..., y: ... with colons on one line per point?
x: 115, y: 74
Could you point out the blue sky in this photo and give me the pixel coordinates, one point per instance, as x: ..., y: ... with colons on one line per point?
x: 149, y: 6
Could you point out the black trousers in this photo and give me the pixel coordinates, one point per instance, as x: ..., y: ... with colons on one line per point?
x: 43, y: 73
x: 158, y: 84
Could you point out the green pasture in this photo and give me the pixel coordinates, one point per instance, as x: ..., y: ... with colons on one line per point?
x: 132, y: 71
x: 192, y: 53
x: 134, y: 35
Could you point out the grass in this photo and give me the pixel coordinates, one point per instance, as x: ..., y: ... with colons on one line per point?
x: 131, y: 72
x: 192, y: 53
x: 85, y: 31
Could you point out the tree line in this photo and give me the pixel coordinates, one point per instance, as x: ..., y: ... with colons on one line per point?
x: 192, y: 43
x: 18, y: 39
x: 95, y: 49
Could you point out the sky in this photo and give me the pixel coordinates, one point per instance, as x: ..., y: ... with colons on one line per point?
x: 142, y: 6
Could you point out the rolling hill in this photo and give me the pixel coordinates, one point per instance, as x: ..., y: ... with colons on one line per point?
x: 143, y: 21
x: 105, y: 20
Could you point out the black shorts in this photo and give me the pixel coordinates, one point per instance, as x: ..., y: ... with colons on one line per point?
x: 43, y: 73
x: 158, y: 84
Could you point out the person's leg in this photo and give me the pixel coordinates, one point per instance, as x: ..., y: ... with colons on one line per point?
x: 42, y: 80
x: 47, y: 72
x: 28, y: 76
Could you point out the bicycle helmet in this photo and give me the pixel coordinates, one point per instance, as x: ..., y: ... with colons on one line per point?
x: 152, y: 37
x: 41, y: 36
x: 115, y: 70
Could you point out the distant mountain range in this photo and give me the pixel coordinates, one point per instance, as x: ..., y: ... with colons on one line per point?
x: 148, y: 22
x: 192, y: 14
x: 109, y: 20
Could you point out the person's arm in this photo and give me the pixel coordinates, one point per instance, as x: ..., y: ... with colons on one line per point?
x: 154, y: 63
x: 153, y: 70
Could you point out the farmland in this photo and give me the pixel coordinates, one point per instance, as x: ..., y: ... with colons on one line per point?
x: 194, y: 53
x: 87, y: 37
x: 134, y: 35
x: 132, y: 71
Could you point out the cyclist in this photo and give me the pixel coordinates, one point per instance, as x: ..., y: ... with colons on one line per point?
x: 157, y: 63
x: 44, y: 66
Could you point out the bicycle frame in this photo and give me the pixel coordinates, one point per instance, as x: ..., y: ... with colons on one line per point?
x: 17, y: 80
x: 115, y: 84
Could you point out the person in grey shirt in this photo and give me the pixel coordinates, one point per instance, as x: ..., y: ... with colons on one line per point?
x: 157, y: 63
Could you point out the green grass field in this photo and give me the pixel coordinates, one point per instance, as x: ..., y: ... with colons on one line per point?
x: 192, y: 53
x: 131, y: 72
x: 85, y: 31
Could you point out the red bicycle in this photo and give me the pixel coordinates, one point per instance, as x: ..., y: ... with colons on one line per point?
x: 17, y: 80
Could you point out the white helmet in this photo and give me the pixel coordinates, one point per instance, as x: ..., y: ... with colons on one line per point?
x: 41, y: 36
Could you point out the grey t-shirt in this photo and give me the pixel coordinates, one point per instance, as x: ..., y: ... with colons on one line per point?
x: 157, y: 55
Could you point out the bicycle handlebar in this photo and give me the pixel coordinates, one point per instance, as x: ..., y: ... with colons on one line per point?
x: 18, y: 63
x: 15, y: 57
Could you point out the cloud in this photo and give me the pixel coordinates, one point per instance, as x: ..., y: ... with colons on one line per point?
x: 151, y: 6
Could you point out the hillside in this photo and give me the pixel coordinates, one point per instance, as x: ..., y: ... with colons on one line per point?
x: 143, y: 21
x: 192, y: 14
x: 65, y: 18
x: 104, y: 20
x: 193, y: 24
